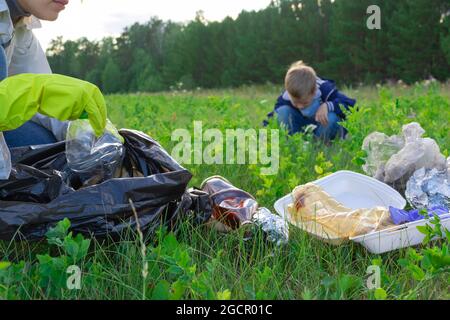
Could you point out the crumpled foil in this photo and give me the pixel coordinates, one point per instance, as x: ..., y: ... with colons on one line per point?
x: 429, y: 188
x: 275, y: 227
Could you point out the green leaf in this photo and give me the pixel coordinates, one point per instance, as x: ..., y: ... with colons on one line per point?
x: 403, y: 263
x: 161, y: 291
x: 359, y: 161
x: 417, y: 273
x: 56, y: 234
x: 423, y: 230
x: 413, y: 255
x: 348, y: 282
x: 224, y: 295
x: 265, y: 276
x: 170, y: 244
x: 318, y: 169
x: 380, y: 294
x: 178, y: 289
x: 183, y: 259
x: 377, y: 262
x: 175, y: 270
x: 71, y: 247
x: 4, y: 265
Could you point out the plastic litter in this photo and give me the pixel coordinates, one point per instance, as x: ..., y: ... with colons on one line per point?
x: 275, y: 227
x: 198, y: 206
x: 403, y: 216
x: 380, y: 148
x: 317, y: 212
x: 88, y: 154
x: 394, y: 159
x: 5, y: 159
x: 429, y: 188
x: 448, y: 167
x: 353, y: 190
x: 402, y: 236
x: 42, y: 190
x: 5, y: 156
x: 232, y: 207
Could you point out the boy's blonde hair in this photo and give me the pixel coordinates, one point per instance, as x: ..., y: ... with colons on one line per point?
x: 300, y: 81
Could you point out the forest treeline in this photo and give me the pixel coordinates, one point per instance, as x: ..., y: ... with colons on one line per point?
x: 257, y: 47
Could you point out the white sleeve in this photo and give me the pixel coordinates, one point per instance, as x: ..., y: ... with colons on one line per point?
x: 6, y: 25
x: 28, y: 55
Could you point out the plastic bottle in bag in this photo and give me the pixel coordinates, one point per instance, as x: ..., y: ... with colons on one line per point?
x: 5, y: 156
x: 5, y: 159
x: 87, y: 153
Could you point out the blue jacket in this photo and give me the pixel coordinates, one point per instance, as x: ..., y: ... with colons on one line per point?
x: 336, y: 101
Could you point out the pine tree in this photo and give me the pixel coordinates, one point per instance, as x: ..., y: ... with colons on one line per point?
x: 348, y: 30
x: 111, y: 77
x: 258, y: 46
x: 414, y: 39
x: 445, y: 38
x: 376, y: 45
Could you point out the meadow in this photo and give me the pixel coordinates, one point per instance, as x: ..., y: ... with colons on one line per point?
x: 199, y: 263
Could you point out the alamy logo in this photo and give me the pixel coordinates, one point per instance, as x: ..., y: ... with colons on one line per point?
x: 236, y: 146
x: 374, y: 279
x: 74, y: 279
x: 374, y: 20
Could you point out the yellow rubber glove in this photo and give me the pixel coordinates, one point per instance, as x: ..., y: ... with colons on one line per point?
x: 53, y: 95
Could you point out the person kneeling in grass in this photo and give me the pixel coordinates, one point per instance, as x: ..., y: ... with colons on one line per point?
x: 310, y: 100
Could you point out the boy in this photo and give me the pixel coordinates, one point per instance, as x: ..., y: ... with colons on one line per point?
x: 310, y: 100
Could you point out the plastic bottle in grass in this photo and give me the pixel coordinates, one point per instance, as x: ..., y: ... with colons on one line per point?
x: 232, y: 207
x: 87, y: 153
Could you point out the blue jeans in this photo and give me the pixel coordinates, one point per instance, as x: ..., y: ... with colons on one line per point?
x: 29, y: 134
x: 296, y: 122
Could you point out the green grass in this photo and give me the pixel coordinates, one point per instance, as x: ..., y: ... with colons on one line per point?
x: 203, y: 264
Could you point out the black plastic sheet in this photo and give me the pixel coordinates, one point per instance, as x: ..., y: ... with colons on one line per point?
x: 42, y: 191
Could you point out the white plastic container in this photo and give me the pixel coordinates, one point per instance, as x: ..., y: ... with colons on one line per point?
x: 356, y: 191
x: 402, y: 236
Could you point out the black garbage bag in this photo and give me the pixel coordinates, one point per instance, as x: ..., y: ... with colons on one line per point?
x: 42, y: 190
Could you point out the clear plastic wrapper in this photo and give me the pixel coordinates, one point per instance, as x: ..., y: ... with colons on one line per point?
x: 87, y: 153
x: 380, y: 148
x: 323, y: 216
x: 275, y: 227
x: 394, y: 159
x: 429, y: 188
x: 5, y: 159
x: 448, y: 168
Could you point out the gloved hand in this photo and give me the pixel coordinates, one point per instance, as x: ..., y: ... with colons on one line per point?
x: 53, y: 95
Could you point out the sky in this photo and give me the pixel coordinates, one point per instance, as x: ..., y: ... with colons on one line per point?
x: 96, y: 19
